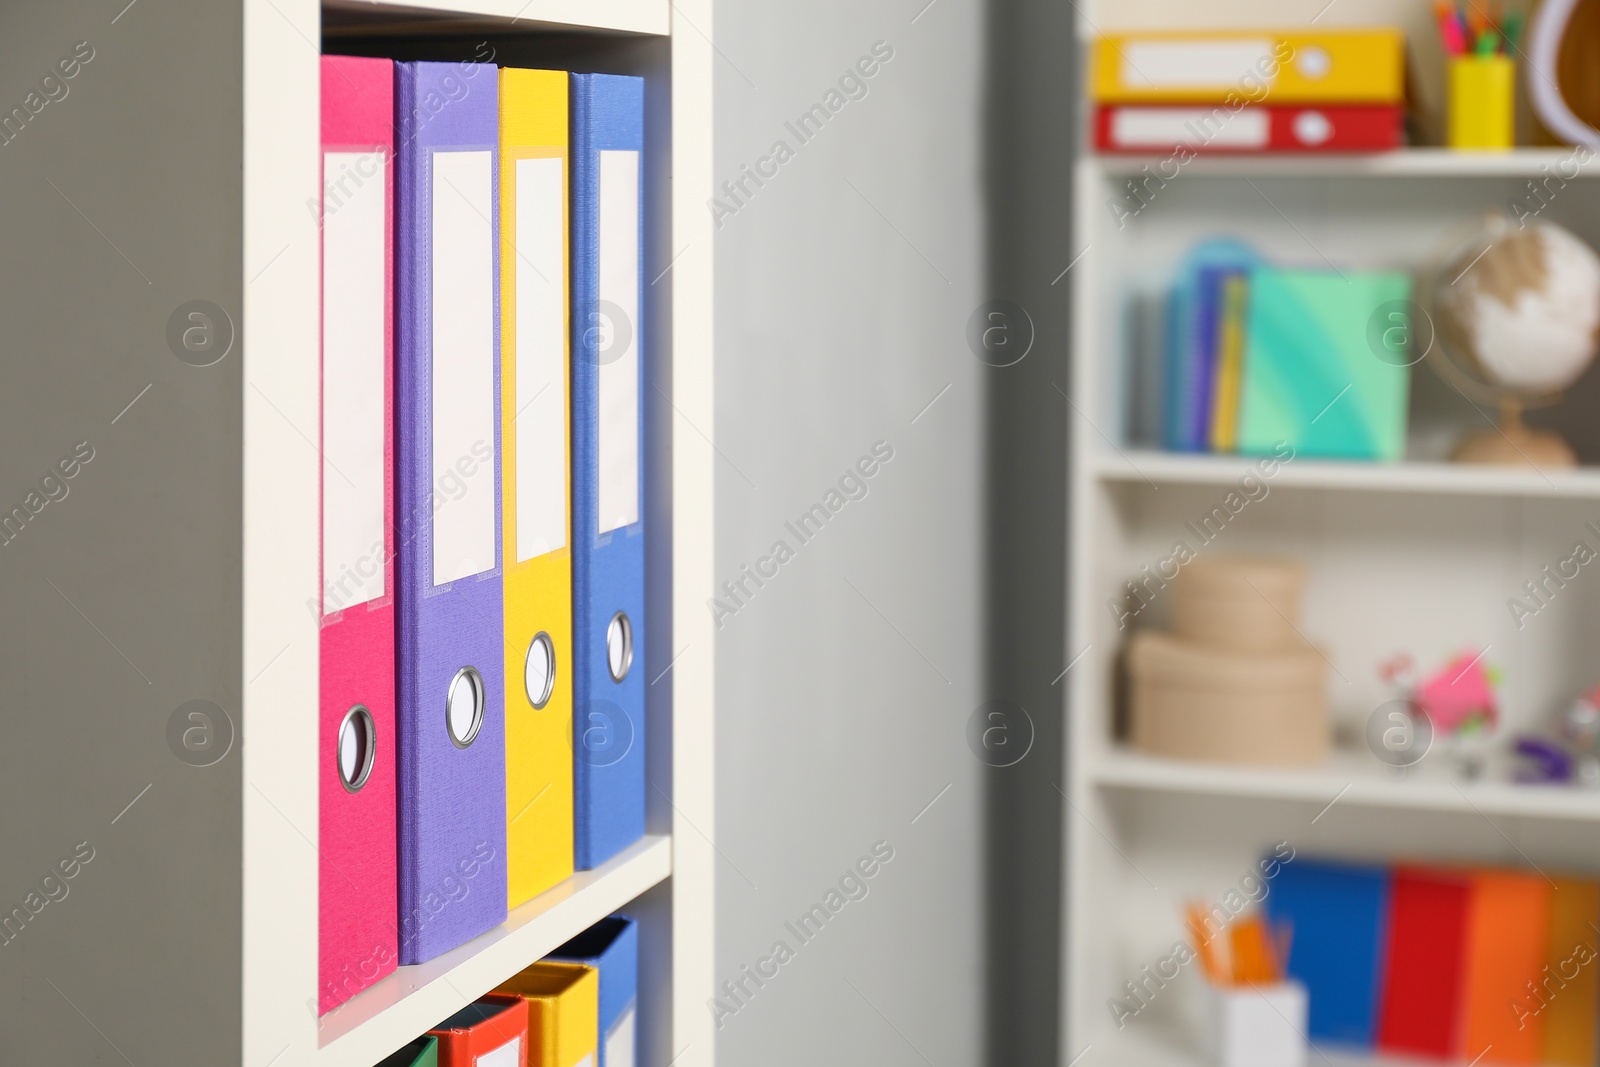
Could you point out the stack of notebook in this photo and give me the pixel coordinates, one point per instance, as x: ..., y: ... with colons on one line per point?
x: 1258, y: 358
x: 482, y: 601
x: 1249, y: 91
x: 1491, y: 966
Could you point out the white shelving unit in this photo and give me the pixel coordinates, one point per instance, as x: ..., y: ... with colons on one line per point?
x: 179, y: 574
x: 667, y: 879
x: 1418, y: 556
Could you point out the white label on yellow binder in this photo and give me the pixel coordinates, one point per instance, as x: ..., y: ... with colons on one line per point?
x: 464, y: 402
x: 1197, y: 64
x: 540, y: 425
x: 353, y: 320
x: 617, y: 348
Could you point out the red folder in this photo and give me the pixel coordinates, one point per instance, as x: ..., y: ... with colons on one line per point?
x: 493, y: 1032
x: 1149, y: 128
x: 357, y: 930
x: 1424, y: 980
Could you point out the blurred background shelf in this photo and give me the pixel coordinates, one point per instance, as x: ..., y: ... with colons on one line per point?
x: 1405, y: 163
x: 1146, y: 466
x: 1347, y: 779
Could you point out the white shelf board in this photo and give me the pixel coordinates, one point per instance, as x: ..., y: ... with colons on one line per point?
x: 1161, y: 1047
x: 1400, y: 163
x: 1141, y: 467
x: 405, y: 1004
x: 628, y: 16
x: 1348, y: 778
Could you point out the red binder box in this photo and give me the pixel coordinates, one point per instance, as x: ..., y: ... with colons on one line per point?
x: 492, y: 1032
x: 1424, y: 984
x: 1214, y: 129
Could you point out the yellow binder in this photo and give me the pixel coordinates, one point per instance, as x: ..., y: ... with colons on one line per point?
x: 1261, y: 66
x: 535, y: 377
x: 563, y: 1012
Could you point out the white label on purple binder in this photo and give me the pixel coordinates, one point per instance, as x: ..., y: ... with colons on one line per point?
x: 617, y: 348
x: 540, y: 426
x: 353, y: 318
x: 464, y: 401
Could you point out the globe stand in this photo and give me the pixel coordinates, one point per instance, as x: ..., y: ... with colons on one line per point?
x: 1514, y: 444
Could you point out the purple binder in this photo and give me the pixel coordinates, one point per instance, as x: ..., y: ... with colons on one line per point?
x: 452, y: 818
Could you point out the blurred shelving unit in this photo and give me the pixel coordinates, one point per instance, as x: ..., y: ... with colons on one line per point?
x: 1419, y: 555
x: 188, y: 156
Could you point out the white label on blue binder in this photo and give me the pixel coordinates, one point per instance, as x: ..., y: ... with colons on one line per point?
x: 620, y: 1041
x: 353, y: 360
x: 464, y: 408
x: 1195, y: 64
x: 617, y: 349
x: 507, y: 1055
x: 541, y: 341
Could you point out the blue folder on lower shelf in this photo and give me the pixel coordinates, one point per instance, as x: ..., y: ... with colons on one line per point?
x: 1338, y: 917
x: 611, y: 946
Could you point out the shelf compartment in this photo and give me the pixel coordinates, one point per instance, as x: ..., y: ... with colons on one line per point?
x: 1402, y: 163
x: 1149, y: 467
x: 406, y: 1003
x: 442, y: 17
x: 1347, y: 778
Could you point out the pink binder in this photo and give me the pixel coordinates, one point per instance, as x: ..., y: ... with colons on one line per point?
x: 357, y: 928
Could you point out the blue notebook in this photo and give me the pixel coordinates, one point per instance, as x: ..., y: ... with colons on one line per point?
x: 1193, y: 318
x: 1338, y: 915
x: 611, y: 946
x: 608, y: 638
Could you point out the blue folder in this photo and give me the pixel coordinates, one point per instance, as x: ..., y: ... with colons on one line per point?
x: 1338, y: 916
x: 608, y: 341
x: 611, y: 946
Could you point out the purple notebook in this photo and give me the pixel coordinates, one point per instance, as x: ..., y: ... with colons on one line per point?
x: 452, y: 816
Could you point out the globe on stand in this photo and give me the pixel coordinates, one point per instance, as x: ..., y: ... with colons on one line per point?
x: 1517, y: 309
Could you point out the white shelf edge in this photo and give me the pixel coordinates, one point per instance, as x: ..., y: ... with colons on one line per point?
x: 1353, y: 783
x: 651, y: 17
x: 1399, y: 163
x: 1141, y: 467
x: 403, y: 1005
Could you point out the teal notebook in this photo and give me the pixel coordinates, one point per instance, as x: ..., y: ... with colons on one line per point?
x: 1312, y: 377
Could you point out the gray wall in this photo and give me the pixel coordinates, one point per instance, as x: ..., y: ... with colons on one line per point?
x: 845, y: 682
x: 123, y: 593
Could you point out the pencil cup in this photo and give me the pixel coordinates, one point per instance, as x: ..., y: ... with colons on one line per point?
x: 1482, y: 102
x: 1259, y: 1025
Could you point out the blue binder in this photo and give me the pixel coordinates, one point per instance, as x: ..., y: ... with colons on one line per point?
x: 608, y: 638
x: 611, y: 946
x: 1338, y: 915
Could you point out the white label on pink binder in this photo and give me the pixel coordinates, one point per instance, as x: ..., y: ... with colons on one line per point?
x: 353, y: 319
x: 618, y: 347
x: 540, y: 425
x: 465, y: 406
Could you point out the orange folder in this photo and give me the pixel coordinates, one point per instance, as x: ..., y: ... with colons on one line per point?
x: 1508, y: 937
x: 1570, y: 985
